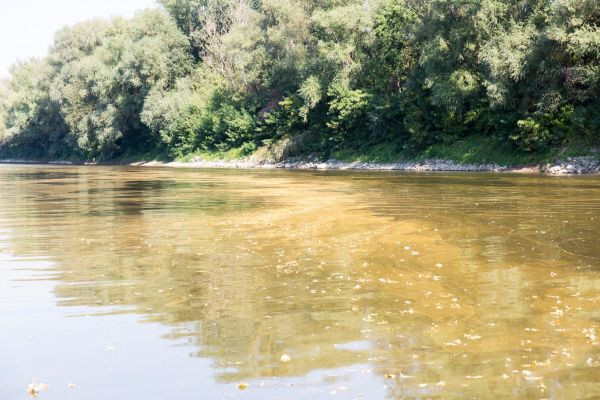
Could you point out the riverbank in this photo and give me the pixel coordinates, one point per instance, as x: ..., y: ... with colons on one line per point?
x: 569, y: 166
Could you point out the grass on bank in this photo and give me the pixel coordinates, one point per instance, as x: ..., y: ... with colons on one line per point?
x: 472, y: 150
x: 216, y: 155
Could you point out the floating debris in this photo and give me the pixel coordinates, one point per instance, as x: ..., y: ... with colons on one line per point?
x: 472, y: 337
x: 243, y: 386
x: 285, y: 358
x: 454, y: 343
x: 34, y: 388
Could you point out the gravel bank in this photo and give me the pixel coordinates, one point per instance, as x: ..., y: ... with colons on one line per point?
x: 573, y: 165
x: 570, y: 166
x: 428, y: 165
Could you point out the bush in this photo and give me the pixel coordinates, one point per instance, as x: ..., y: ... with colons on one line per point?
x: 347, y: 115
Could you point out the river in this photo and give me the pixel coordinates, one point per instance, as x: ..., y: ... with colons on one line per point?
x: 160, y: 283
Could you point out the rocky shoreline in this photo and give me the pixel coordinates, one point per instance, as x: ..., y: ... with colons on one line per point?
x: 570, y: 166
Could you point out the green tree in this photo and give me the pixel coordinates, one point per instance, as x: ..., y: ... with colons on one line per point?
x: 101, y: 85
x: 30, y: 122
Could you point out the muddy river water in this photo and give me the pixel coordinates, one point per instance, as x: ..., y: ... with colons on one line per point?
x: 158, y: 283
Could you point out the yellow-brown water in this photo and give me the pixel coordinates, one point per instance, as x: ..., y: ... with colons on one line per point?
x: 181, y: 284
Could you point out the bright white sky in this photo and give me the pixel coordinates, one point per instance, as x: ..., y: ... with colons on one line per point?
x: 27, y: 27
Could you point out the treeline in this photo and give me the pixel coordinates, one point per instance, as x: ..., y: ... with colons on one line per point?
x: 322, y: 75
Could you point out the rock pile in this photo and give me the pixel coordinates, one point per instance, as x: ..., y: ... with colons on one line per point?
x: 573, y: 165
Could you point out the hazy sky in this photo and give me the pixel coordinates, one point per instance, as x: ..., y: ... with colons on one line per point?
x: 28, y: 26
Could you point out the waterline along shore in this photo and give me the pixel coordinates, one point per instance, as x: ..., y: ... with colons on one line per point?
x: 569, y: 166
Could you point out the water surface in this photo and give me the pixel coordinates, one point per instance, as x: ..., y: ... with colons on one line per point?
x: 181, y: 284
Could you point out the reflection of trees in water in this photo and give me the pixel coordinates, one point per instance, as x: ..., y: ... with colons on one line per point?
x: 247, y: 269
x: 84, y: 191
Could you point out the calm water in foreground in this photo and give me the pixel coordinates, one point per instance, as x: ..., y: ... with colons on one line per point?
x: 180, y: 284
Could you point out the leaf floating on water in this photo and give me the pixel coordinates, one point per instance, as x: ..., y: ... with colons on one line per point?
x: 33, y: 389
x: 590, y: 333
x: 542, y: 363
x: 454, y: 343
x: 533, y: 378
x: 285, y: 358
x: 589, y: 362
x: 243, y: 386
x: 389, y: 376
x: 472, y: 337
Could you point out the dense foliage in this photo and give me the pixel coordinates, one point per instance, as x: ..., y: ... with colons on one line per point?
x: 324, y: 75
